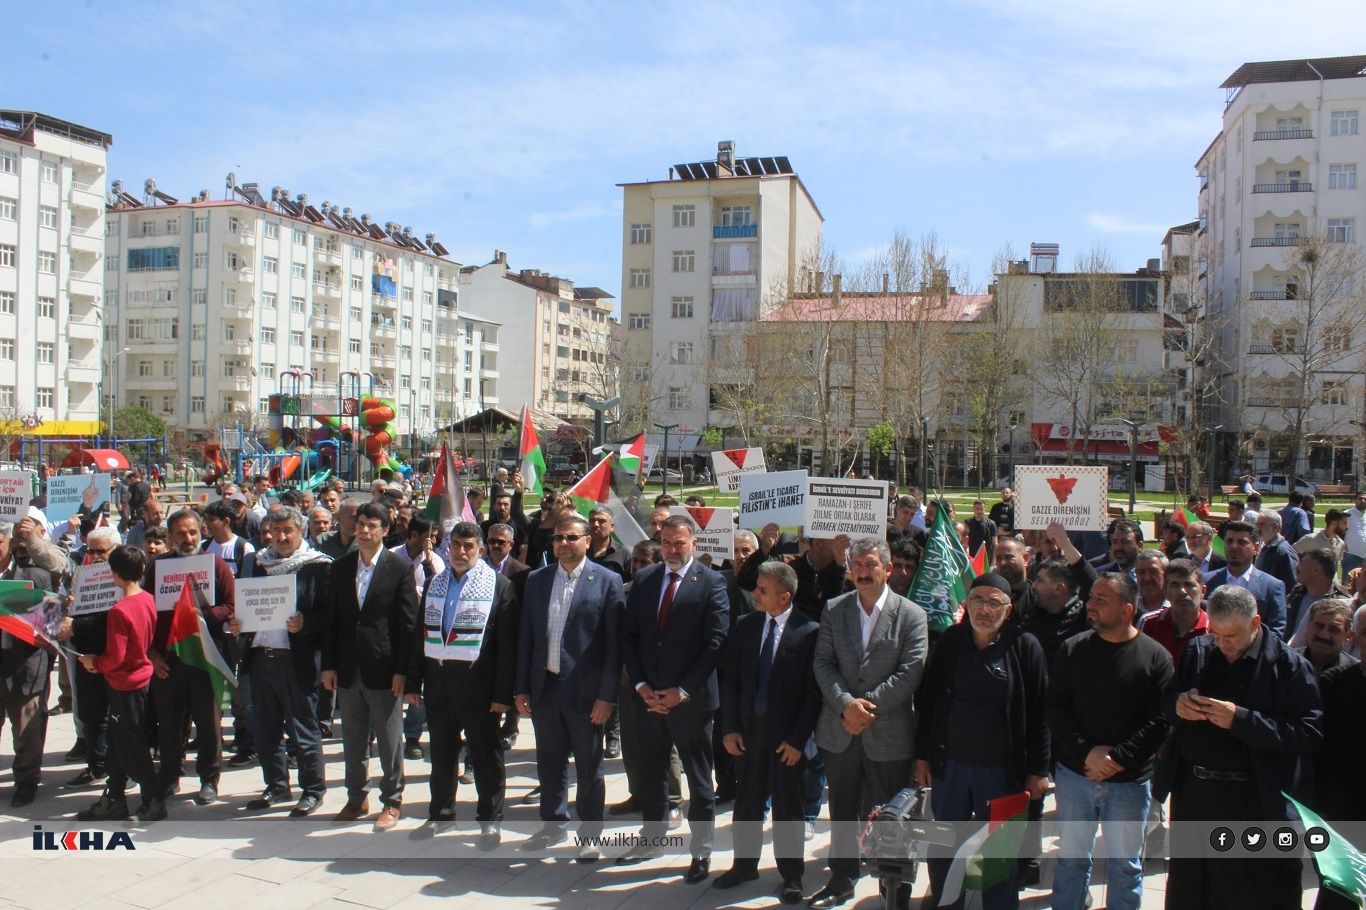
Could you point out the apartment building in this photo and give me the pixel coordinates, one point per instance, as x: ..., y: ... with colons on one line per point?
x: 217, y: 304
x: 1277, y: 265
x: 559, y: 335
x: 51, y: 273
x: 704, y: 252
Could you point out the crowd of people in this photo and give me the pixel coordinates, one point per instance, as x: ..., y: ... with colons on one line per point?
x: 1126, y: 682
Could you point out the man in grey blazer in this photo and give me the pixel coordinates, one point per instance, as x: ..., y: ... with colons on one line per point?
x: 870, y: 655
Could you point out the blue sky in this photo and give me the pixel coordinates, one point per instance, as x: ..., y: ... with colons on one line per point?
x: 509, y: 125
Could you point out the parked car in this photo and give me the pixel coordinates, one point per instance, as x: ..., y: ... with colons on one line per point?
x: 660, y: 475
x: 1281, y: 483
x: 563, y: 476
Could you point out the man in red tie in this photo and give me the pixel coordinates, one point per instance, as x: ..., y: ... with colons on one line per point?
x: 677, y: 617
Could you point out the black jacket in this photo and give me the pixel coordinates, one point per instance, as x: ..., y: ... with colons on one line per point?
x: 23, y: 667
x: 1025, y: 711
x: 312, y: 598
x: 380, y: 639
x: 794, y: 699
x: 1282, y: 723
x: 1053, y: 629
x: 495, y: 669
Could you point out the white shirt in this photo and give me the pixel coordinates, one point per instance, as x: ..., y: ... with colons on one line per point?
x: 1356, y: 532
x: 227, y: 551
x: 868, y: 618
x: 779, y: 624
x: 663, y: 589
x: 562, y: 587
x: 364, y: 572
x: 1241, y: 581
x: 420, y: 577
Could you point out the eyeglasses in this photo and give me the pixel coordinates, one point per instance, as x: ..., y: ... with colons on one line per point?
x: 495, y: 542
x: 567, y: 538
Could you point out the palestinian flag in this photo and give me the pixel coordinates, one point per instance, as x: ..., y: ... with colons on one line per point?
x: 17, y: 616
x: 1341, y: 866
x: 446, y: 503
x: 596, y: 489
x: 979, y: 560
x: 941, y: 582
x: 529, y: 450
x: 987, y: 857
x: 633, y: 456
x: 189, y: 640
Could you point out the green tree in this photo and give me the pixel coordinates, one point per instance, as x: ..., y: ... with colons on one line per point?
x: 134, y: 422
x: 881, y: 438
x: 712, y: 438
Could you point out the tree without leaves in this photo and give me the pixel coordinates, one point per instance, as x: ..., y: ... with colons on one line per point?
x: 990, y: 371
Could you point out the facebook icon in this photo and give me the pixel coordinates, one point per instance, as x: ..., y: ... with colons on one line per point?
x: 1221, y: 839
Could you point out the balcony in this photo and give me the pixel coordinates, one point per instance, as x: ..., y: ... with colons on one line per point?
x: 384, y: 361
x: 1270, y: 401
x: 1262, y: 348
x: 243, y: 276
x: 734, y: 231
x: 241, y: 238
x: 153, y: 382
x: 87, y: 196
x: 326, y: 322
x: 1277, y: 241
x: 489, y: 374
x: 85, y: 244
x: 1281, y: 294
x: 383, y: 330
x: 324, y: 289
x: 326, y: 356
x: 327, y: 256
x: 1262, y: 135
x: 1294, y: 186
x: 734, y: 280
x: 87, y: 329
x: 237, y: 383
x: 238, y: 346
x: 78, y: 373
x: 80, y: 286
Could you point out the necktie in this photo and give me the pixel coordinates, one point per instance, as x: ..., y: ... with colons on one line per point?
x: 765, y: 667
x: 668, y: 600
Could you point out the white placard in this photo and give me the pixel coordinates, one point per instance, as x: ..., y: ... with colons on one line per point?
x: 1075, y: 495
x: 774, y: 497
x: 267, y: 602
x: 169, y: 576
x: 16, y: 491
x: 713, y: 530
x: 68, y: 493
x: 729, y: 464
x: 93, y: 589
x: 836, y: 506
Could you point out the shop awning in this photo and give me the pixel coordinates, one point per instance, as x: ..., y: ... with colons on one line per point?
x: 103, y: 459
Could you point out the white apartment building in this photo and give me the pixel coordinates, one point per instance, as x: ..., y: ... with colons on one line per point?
x: 558, y: 335
x: 51, y: 273
x: 1285, y: 167
x: 702, y: 253
x: 216, y: 303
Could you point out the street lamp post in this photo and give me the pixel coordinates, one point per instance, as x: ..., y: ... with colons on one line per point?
x: 1012, y: 453
x: 1133, y: 425
x: 1213, y: 449
x: 111, y: 363
x: 667, y: 428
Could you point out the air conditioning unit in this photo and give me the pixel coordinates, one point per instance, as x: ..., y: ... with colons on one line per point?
x: 1259, y: 445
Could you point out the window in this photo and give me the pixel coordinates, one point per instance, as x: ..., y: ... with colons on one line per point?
x: 47, y: 263
x: 685, y: 216
x: 267, y: 336
x: 229, y: 296
x: 47, y: 307
x: 229, y: 332
x: 271, y: 265
x: 680, y: 352
x: 356, y: 314
x: 357, y: 283
x: 9, y: 163
x: 198, y: 332
x: 267, y: 371
x: 427, y: 298
x: 168, y: 369
x: 196, y: 369
x: 353, y: 345
x: 296, y: 304
x: 356, y: 253
x: 638, y: 321
x: 296, y: 339
x: 1335, y: 391
x: 637, y: 278
x: 268, y: 301
x: 300, y: 238
x: 6, y: 302
x: 154, y: 259
x: 1342, y: 176
x: 406, y: 323
x: 44, y: 397
x: 47, y: 216
x: 201, y: 260
x: 9, y: 209
x: 270, y: 230
x: 6, y: 349
x: 168, y: 404
x: 408, y: 295
x: 297, y: 270
x: 1342, y: 230
x: 684, y: 260
x: 736, y: 215
x: 201, y: 224
x: 641, y: 233
x: 49, y: 172
x: 199, y: 295
x: 1343, y: 123
x: 7, y: 255
x: 426, y: 327
x: 682, y: 307
x: 196, y: 404
x: 678, y: 398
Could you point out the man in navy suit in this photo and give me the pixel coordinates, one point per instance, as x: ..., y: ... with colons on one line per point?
x: 1277, y: 557
x: 676, y: 622
x: 1239, y: 551
x: 568, y: 669
x: 769, y: 705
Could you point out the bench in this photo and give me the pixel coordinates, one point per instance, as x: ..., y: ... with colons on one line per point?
x: 1334, y: 489
x: 1231, y: 489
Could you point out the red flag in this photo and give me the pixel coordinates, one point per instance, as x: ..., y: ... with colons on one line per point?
x: 979, y: 560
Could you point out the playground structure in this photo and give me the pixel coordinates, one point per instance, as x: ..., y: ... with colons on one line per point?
x: 34, y: 451
x: 311, y: 437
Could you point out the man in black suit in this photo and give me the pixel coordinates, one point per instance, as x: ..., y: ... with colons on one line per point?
x: 370, y: 650
x: 1200, y: 543
x: 675, y: 630
x: 500, y: 543
x: 769, y: 705
x: 282, y: 666
x: 469, y: 659
x: 24, y: 674
x: 1277, y: 557
x: 568, y: 664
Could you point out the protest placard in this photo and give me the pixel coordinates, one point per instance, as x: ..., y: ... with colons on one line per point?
x: 16, y: 490
x: 1074, y: 495
x: 729, y: 464
x: 266, y: 603
x: 713, y: 530
x: 778, y: 497
x: 68, y: 494
x: 170, y: 574
x: 93, y: 589
x: 836, y: 506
